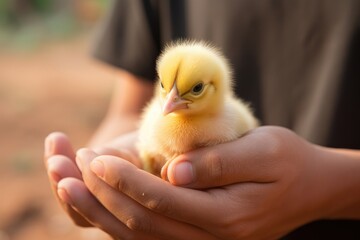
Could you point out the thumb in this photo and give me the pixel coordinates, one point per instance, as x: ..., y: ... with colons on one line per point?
x: 247, y: 159
x: 203, y: 168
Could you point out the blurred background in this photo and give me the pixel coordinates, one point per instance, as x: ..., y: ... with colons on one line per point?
x: 48, y: 82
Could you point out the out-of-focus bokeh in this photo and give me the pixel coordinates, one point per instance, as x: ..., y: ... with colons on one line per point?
x: 48, y: 82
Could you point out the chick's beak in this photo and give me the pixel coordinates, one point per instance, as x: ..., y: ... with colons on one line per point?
x: 174, y: 102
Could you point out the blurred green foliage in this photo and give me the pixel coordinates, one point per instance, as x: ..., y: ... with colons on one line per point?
x: 26, y: 24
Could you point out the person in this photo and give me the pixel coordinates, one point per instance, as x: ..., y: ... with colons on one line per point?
x: 296, y: 177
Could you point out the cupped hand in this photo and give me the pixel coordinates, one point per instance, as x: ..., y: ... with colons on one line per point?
x: 71, y: 192
x: 96, y: 204
x: 260, y: 186
x: 60, y: 164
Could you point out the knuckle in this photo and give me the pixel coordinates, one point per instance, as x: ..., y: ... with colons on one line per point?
x: 134, y: 223
x: 139, y: 222
x: 121, y: 185
x: 273, y: 143
x: 216, y: 165
x: 160, y: 205
x: 274, y: 149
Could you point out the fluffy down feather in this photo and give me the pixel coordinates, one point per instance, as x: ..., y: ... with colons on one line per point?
x: 193, y: 106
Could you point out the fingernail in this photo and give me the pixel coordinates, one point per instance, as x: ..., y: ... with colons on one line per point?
x: 48, y: 146
x: 78, y: 163
x: 55, y: 178
x: 183, y: 173
x: 52, y: 169
x: 97, y: 167
x: 84, y: 157
x: 64, y: 196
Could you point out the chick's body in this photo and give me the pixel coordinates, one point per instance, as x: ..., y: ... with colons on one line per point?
x: 194, y: 105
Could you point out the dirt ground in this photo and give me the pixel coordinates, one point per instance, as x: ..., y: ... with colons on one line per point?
x: 57, y: 87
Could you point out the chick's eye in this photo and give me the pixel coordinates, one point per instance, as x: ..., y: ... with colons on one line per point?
x: 162, y: 85
x: 197, y: 89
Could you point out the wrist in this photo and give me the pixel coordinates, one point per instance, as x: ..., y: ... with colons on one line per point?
x: 339, y: 175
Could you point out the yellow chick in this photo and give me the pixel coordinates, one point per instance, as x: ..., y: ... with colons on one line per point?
x: 193, y: 106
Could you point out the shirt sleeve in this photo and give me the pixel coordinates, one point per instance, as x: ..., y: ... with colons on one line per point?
x: 127, y: 38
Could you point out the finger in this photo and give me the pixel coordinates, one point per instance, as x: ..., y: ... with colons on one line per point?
x: 66, y: 202
x: 182, y: 204
x: 79, y: 198
x: 248, y: 159
x: 58, y: 144
x: 58, y: 168
x: 59, y: 160
x: 123, y: 153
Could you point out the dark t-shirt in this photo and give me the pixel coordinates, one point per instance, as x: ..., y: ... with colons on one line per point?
x: 297, y: 62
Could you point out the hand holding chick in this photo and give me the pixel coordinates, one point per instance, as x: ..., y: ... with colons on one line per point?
x: 194, y: 105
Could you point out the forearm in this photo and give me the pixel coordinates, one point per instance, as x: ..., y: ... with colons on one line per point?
x: 341, y: 179
x: 112, y: 127
x: 129, y: 98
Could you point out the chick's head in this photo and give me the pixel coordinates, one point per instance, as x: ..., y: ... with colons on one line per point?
x: 193, y: 79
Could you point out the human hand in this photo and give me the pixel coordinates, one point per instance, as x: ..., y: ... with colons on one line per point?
x: 260, y: 186
x: 72, y: 194
x: 84, y: 208
x: 59, y: 158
